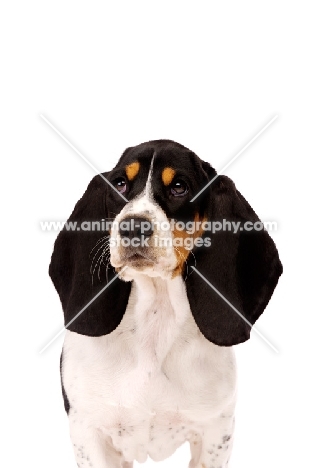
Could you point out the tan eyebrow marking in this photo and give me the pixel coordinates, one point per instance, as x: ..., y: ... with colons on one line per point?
x: 168, y: 175
x: 132, y: 170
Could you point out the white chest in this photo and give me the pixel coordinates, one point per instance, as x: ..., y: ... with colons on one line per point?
x: 152, y: 383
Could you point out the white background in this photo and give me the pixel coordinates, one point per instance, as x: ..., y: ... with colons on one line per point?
x: 207, y: 74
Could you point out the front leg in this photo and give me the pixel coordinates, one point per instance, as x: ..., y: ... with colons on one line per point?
x: 212, y: 448
x: 92, y: 449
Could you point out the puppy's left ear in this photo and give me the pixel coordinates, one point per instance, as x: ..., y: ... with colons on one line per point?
x: 71, y: 269
x: 243, y: 267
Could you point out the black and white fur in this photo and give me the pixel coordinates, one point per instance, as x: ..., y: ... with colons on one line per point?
x: 150, y: 365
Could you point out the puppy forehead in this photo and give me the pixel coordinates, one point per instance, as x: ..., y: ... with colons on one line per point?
x: 170, y: 163
x: 166, y: 156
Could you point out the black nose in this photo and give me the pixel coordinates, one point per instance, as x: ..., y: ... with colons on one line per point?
x: 135, y: 227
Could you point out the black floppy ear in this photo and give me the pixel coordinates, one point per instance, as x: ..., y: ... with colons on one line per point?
x: 71, y: 274
x: 244, y: 267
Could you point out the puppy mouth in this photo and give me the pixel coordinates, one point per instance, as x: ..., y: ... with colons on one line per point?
x: 137, y: 259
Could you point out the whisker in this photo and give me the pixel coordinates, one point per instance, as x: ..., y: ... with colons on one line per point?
x: 102, y: 239
x: 95, y: 267
x: 107, y: 268
x: 95, y: 255
x: 105, y: 255
x: 103, y: 247
x: 102, y: 257
x: 99, y: 266
x: 104, y: 250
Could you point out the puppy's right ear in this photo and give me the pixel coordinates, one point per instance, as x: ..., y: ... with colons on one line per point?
x: 71, y: 274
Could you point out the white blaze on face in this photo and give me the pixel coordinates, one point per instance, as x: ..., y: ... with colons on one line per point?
x: 160, y: 243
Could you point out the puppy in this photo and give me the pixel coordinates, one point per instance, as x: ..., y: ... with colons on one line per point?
x: 153, y: 306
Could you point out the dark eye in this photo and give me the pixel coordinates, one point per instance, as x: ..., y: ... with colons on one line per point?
x: 120, y: 184
x: 179, y: 188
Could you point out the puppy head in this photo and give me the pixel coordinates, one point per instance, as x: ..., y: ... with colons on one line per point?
x: 153, y: 233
